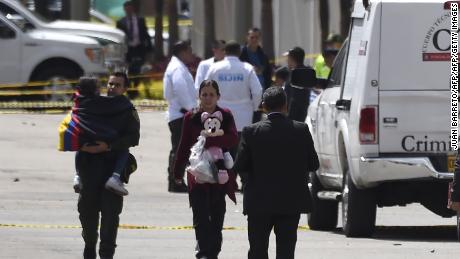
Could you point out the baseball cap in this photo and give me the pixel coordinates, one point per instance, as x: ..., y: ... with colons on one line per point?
x: 295, y: 52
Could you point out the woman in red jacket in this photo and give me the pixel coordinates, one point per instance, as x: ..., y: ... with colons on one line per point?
x: 207, y: 199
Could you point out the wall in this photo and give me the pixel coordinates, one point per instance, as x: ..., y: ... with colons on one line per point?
x: 296, y: 23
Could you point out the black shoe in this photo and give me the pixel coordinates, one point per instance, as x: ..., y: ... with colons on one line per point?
x: 179, y: 188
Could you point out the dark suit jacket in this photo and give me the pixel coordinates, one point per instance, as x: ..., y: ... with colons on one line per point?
x: 144, y: 36
x: 276, y: 154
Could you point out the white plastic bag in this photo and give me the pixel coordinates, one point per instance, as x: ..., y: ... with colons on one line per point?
x: 201, y: 165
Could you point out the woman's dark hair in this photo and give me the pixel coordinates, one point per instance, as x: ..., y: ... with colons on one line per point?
x: 209, y: 83
x: 274, y: 98
x: 87, y: 85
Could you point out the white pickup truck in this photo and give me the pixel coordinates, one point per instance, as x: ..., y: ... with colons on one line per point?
x: 33, y: 49
x: 381, y: 127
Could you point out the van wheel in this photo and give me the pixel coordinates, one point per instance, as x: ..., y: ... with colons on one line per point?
x: 324, y: 213
x: 358, y: 210
x: 59, y: 85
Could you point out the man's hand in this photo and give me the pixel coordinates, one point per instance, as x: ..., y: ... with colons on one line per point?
x: 95, y: 149
x: 455, y: 205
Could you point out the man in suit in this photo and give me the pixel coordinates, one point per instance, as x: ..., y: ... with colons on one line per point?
x: 276, y: 155
x: 139, y: 42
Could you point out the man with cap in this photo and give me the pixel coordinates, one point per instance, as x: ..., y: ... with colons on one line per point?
x: 302, y: 79
x: 323, y: 62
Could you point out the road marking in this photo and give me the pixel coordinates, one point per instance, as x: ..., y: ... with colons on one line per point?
x: 124, y: 226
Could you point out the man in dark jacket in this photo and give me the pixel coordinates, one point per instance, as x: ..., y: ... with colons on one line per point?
x: 96, y: 164
x: 253, y: 53
x: 276, y: 155
x: 139, y: 42
x: 301, y: 81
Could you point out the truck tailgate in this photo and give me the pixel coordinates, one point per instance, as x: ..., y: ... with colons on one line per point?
x: 414, y: 121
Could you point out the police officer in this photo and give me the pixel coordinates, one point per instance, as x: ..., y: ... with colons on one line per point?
x: 96, y: 164
x: 240, y: 89
x: 323, y: 62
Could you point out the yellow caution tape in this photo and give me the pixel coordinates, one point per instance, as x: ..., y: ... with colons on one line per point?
x: 124, y: 226
x: 66, y: 82
x: 42, y: 105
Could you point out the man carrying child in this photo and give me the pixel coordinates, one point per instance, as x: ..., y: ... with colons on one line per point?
x: 101, y: 162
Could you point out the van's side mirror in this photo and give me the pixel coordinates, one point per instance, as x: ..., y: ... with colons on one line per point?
x: 303, y: 77
x: 343, y: 105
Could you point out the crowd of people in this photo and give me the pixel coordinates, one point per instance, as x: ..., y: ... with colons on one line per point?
x: 249, y: 126
x: 230, y: 119
x: 228, y: 95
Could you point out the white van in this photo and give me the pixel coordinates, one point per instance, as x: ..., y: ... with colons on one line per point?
x: 381, y: 127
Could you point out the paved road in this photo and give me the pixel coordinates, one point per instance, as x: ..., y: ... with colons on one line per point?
x: 37, y: 198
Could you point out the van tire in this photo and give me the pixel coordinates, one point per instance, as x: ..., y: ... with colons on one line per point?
x: 359, y: 209
x: 324, y: 213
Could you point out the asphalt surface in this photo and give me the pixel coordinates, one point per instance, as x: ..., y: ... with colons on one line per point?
x: 38, y: 217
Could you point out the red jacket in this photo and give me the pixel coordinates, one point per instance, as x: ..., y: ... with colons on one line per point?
x: 191, y: 129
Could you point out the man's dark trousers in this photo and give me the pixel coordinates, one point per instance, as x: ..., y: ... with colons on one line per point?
x: 175, y: 127
x: 285, y: 228
x: 95, y: 170
x: 208, y: 205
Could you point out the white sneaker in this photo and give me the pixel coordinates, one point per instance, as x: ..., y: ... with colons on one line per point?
x: 115, y: 185
x: 77, y: 184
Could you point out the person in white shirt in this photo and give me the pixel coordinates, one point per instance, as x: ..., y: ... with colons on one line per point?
x: 179, y: 92
x: 240, y: 89
x: 218, y: 50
